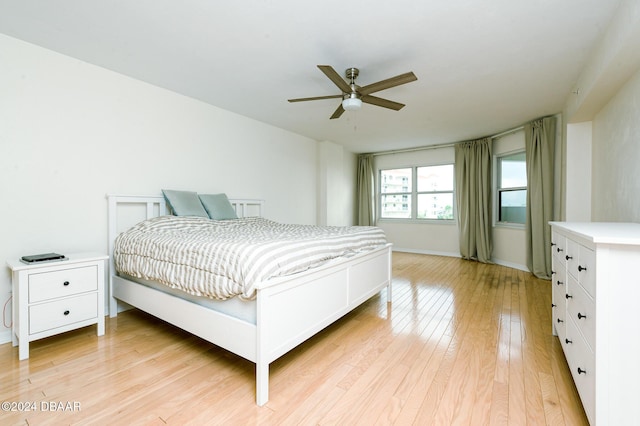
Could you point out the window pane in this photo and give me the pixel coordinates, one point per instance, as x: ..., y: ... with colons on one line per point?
x: 435, y: 178
x: 513, y: 206
x: 513, y: 171
x: 397, y: 180
x: 396, y: 206
x: 435, y: 206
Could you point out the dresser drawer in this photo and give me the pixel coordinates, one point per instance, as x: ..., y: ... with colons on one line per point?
x: 581, y: 361
x: 66, y: 282
x: 61, y: 312
x: 586, y: 270
x: 582, y: 310
x: 558, y: 248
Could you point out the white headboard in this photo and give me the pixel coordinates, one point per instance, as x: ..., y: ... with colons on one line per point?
x: 148, y: 206
x: 127, y: 210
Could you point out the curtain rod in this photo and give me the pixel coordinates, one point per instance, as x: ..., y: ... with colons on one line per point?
x: 444, y: 145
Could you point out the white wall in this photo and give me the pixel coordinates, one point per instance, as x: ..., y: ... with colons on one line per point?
x: 616, y: 153
x: 72, y: 132
x: 336, y: 185
x: 578, y: 172
x: 606, y: 99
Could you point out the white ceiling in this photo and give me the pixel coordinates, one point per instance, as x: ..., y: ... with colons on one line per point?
x: 482, y: 66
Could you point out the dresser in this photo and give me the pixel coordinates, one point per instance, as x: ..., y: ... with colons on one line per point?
x: 596, y: 315
x: 54, y: 297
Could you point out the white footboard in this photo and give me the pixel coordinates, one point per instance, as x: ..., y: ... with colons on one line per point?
x: 289, y: 309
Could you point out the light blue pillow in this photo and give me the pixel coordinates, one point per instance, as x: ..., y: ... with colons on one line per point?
x: 218, y: 206
x: 184, y: 203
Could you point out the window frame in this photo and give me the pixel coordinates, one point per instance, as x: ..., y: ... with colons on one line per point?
x: 413, y: 196
x: 498, y: 190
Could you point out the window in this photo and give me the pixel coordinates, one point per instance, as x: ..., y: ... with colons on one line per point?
x: 395, y: 190
x: 424, y: 192
x: 512, y: 188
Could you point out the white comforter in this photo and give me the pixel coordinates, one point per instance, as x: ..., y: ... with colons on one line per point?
x: 224, y: 258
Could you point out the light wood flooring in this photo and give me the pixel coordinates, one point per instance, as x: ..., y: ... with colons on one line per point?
x: 462, y: 343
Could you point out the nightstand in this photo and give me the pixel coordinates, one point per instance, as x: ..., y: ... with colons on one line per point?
x: 53, y: 297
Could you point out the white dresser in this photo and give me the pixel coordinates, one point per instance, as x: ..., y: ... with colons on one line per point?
x: 596, y: 315
x: 54, y: 297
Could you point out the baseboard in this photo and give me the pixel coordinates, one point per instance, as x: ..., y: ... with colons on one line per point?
x: 431, y: 252
x: 510, y: 265
x: 449, y: 254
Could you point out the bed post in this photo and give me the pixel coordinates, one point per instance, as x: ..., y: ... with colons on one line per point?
x: 150, y: 203
x: 112, y: 233
x: 389, y: 276
x: 262, y: 363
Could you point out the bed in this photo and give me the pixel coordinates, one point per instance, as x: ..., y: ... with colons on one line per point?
x: 281, y: 312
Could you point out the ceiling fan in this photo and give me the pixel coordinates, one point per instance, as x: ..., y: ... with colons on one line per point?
x: 353, y: 95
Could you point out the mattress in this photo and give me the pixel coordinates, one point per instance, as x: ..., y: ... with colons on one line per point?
x: 222, y: 259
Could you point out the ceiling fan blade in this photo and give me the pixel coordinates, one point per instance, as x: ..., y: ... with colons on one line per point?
x: 388, y: 83
x: 316, y: 98
x: 335, y: 77
x: 374, y: 100
x: 338, y: 112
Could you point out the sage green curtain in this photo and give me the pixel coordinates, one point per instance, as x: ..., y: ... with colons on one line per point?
x: 540, y: 137
x: 365, y: 184
x: 473, y: 197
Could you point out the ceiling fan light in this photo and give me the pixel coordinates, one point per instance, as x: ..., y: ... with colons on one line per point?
x: 351, y: 104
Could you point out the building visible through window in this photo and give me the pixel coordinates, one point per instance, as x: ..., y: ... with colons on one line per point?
x: 422, y: 192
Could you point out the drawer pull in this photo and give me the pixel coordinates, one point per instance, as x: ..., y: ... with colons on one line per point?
x: 560, y: 321
x: 66, y: 312
x: 581, y: 371
x: 580, y: 316
x: 553, y: 244
x: 568, y: 296
x: 568, y: 257
x: 581, y: 268
x: 567, y: 341
x: 66, y: 283
x: 553, y: 305
x: 559, y: 282
x: 558, y: 249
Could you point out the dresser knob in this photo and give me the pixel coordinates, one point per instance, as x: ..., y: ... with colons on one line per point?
x: 553, y: 305
x: 581, y: 268
x: 580, y: 316
x: 560, y: 321
x: 568, y: 257
x: 581, y: 371
x: 66, y: 312
x: 567, y: 341
x: 558, y: 249
x: 568, y: 296
x: 559, y: 282
x: 65, y: 283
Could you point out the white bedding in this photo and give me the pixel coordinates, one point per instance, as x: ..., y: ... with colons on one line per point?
x: 227, y: 258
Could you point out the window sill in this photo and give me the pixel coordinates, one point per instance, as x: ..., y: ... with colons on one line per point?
x: 418, y: 221
x: 509, y: 225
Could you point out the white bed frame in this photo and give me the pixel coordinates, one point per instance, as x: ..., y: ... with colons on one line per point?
x: 290, y: 309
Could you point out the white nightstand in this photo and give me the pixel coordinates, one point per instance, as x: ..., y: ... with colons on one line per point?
x: 54, y: 297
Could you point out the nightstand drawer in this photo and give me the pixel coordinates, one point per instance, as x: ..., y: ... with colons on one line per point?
x: 67, y: 282
x: 47, y: 316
